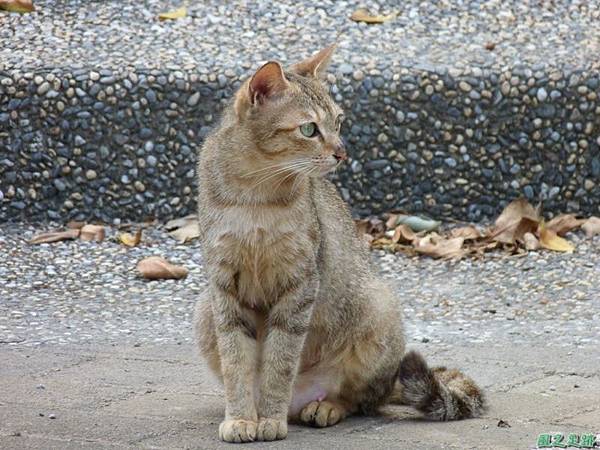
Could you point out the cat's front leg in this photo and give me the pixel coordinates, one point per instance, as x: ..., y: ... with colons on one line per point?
x: 238, y: 351
x: 287, y: 327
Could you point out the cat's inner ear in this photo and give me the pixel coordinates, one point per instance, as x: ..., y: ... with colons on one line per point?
x: 267, y: 82
x: 316, y: 64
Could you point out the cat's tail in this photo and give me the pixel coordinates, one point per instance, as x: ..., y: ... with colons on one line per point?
x: 439, y: 393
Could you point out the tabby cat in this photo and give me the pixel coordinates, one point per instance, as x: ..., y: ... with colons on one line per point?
x: 294, y: 321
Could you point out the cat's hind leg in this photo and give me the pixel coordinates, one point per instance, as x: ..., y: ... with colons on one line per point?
x: 360, y: 373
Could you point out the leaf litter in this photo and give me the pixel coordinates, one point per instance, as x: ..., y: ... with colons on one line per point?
x: 178, y: 13
x: 131, y: 240
x: 19, y: 6
x: 518, y: 229
x: 184, y: 229
x: 363, y: 15
x: 158, y: 268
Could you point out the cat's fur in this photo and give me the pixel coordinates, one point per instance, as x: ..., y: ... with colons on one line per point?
x: 294, y: 321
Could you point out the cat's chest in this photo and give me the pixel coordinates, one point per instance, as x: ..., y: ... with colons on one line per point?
x: 264, y: 249
x: 255, y: 227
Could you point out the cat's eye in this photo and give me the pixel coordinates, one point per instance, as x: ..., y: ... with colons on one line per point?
x: 309, y: 129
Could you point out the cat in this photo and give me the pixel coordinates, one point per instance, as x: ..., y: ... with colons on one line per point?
x: 294, y: 321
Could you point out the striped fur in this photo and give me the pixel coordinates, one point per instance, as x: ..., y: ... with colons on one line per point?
x: 294, y: 321
x: 439, y: 393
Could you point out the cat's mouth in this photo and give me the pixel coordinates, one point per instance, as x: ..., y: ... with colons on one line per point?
x: 327, y: 165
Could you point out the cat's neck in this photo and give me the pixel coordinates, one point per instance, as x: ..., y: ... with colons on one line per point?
x: 235, y: 187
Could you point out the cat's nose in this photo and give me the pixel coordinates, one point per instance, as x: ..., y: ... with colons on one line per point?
x: 339, y: 152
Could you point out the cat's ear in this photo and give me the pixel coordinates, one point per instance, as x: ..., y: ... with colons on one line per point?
x: 315, y: 65
x: 267, y: 82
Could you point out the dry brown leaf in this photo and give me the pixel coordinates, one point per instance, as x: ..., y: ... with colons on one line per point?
x: 392, y: 221
x: 371, y: 225
x: 186, y: 233
x: 20, y: 6
x: 157, y: 268
x: 131, y: 240
x: 175, y: 14
x: 468, y: 233
x: 531, y: 242
x: 479, y: 248
x: 362, y: 15
x: 403, y: 234
x: 75, y: 225
x: 591, y: 226
x: 184, y: 229
x: 439, y: 247
x: 180, y: 222
x: 54, y: 236
x: 92, y: 233
x: 552, y: 241
x: 518, y: 218
x: 564, y: 223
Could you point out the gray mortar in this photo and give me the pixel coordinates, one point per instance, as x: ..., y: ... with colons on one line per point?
x: 102, y: 107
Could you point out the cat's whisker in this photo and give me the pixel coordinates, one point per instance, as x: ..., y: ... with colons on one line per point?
x: 301, y: 176
x: 291, y: 167
x: 279, y: 170
x: 263, y: 169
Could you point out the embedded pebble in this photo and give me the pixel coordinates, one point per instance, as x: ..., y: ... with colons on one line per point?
x: 76, y: 292
x: 426, y: 104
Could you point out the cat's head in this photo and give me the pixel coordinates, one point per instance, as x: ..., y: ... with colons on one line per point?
x: 292, y: 120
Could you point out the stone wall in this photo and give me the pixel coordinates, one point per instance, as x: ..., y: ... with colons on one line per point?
x: 101, y: 144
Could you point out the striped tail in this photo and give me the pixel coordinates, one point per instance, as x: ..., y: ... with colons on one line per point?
x: 439, y: 393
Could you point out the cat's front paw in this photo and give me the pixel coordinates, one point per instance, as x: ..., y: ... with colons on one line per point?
x: 271, y: 429
x: 238, y: 431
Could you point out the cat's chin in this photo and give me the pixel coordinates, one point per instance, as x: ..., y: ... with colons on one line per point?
x: 324, y: 170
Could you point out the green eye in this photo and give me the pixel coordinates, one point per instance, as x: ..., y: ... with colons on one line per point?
x: 309, y: 129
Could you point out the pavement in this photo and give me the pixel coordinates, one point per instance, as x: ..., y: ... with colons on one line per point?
x: 94, y: 357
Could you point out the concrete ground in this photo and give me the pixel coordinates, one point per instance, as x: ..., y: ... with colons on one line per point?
x: 93, y: 357
x: 160, y: 396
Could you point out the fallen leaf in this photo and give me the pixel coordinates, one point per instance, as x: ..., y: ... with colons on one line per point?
x: 591, y: 226
x: 131, y: 240
x: 438, y: 247
x: 518, y: 218
x: 362, y: 15
x: 552, y: 241
x: 468, y: 233
x: 417, y: 223
x: 92, y: 233
x: 403, y: 233
x: 531, y: 242
x: 371, y: 225
x: 75, y: 225
x: 175, y: 14
x: 54, y: 236
x: 564, y: 223
x: 20, y: 6
x: 479, y: 248
x: 184, y: 229
x: 180, y: 222
x: 392, y: 220
x: 157, y: 268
